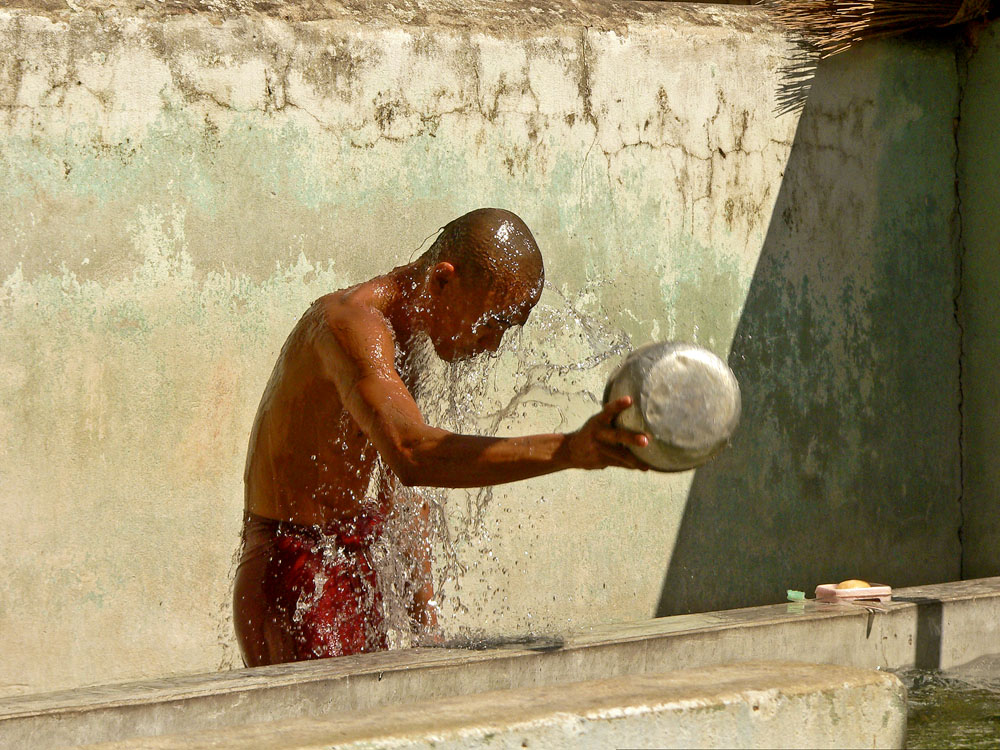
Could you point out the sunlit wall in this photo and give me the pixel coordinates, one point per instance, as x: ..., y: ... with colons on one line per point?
x: 177, y: 187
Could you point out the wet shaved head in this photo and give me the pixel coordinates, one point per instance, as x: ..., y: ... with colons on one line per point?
x: 493, y: 249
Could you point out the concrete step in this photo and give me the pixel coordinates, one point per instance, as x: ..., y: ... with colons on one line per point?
x: 943, y: 625
x: 749, y: 705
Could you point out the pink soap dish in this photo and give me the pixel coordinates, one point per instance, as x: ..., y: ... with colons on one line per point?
x: 828, y: 592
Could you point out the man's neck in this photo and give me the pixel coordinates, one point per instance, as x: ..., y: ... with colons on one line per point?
x: 400, y: 297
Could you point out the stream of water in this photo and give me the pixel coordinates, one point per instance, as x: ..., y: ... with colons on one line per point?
x: 538, y: 375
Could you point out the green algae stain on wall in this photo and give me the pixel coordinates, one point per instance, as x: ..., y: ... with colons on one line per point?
x: 918, y: 386
x: 700, y: 300
x: 237, y: 183
x: 979, y: 165
x: 845, y: 351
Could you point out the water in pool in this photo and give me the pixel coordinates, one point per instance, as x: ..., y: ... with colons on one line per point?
x: 957, y: 708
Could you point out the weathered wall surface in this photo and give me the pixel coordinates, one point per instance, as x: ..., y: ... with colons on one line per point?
x: 178, y: 188
x: 846, y: 350
x: 979, y: 165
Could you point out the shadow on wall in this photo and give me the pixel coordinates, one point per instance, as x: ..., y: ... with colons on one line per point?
x: 846, y: 463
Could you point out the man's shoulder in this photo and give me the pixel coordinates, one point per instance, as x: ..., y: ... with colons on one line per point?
x: 354, y: 304
x: 351, y: 316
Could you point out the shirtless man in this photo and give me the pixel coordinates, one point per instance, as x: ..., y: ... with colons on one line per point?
x: 305, y: 587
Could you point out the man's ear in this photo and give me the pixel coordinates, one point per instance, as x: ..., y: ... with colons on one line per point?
x: 441, y: 275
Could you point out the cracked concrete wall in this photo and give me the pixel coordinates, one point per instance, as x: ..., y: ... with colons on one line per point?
x: 178, y: 186
x: 979, y: 165
x: 847, y: 457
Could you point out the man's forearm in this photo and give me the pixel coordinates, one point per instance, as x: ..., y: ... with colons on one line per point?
x: 443, y: 459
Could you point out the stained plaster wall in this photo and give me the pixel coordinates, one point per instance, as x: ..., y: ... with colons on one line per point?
x: 178, y: 186
x: 979, y: 166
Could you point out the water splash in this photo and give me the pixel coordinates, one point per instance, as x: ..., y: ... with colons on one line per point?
x: 540, y: 375
x: 545, y: 377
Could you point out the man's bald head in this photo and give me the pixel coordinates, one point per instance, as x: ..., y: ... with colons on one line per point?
x: 493, y: 249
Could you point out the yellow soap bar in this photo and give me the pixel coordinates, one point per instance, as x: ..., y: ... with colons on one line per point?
x: 854, y: 583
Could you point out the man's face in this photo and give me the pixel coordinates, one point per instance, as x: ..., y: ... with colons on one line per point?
x: 473, y: 321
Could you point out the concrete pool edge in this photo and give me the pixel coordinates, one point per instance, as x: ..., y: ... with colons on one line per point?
x: 757, y: 704
x: 940, y: 625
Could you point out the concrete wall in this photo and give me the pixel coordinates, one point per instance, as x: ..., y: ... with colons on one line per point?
x: 979, y: 165
x: 178, y: 186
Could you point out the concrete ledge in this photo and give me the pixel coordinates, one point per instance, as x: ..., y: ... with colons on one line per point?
x: 472, y: 15
x: 942, y: 626
x: 760, y: 704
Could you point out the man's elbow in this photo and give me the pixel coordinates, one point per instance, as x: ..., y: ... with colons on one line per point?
x: 406, y: 467
x: 413, y: 456
x: 408, y: 476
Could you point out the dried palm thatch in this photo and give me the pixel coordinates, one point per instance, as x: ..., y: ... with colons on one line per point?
x: 831, y: 26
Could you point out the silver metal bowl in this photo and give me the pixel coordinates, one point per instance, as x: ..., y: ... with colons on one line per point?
x: 683, y: 396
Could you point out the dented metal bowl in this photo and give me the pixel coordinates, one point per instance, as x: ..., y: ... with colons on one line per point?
x: 683, y: 396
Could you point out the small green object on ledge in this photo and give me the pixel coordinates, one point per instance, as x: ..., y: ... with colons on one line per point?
x: 796, y: 596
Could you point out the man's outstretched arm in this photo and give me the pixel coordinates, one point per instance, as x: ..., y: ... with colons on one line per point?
x: 358, y: 356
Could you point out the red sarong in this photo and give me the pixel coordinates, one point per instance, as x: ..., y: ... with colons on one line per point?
x: 306, y: 592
